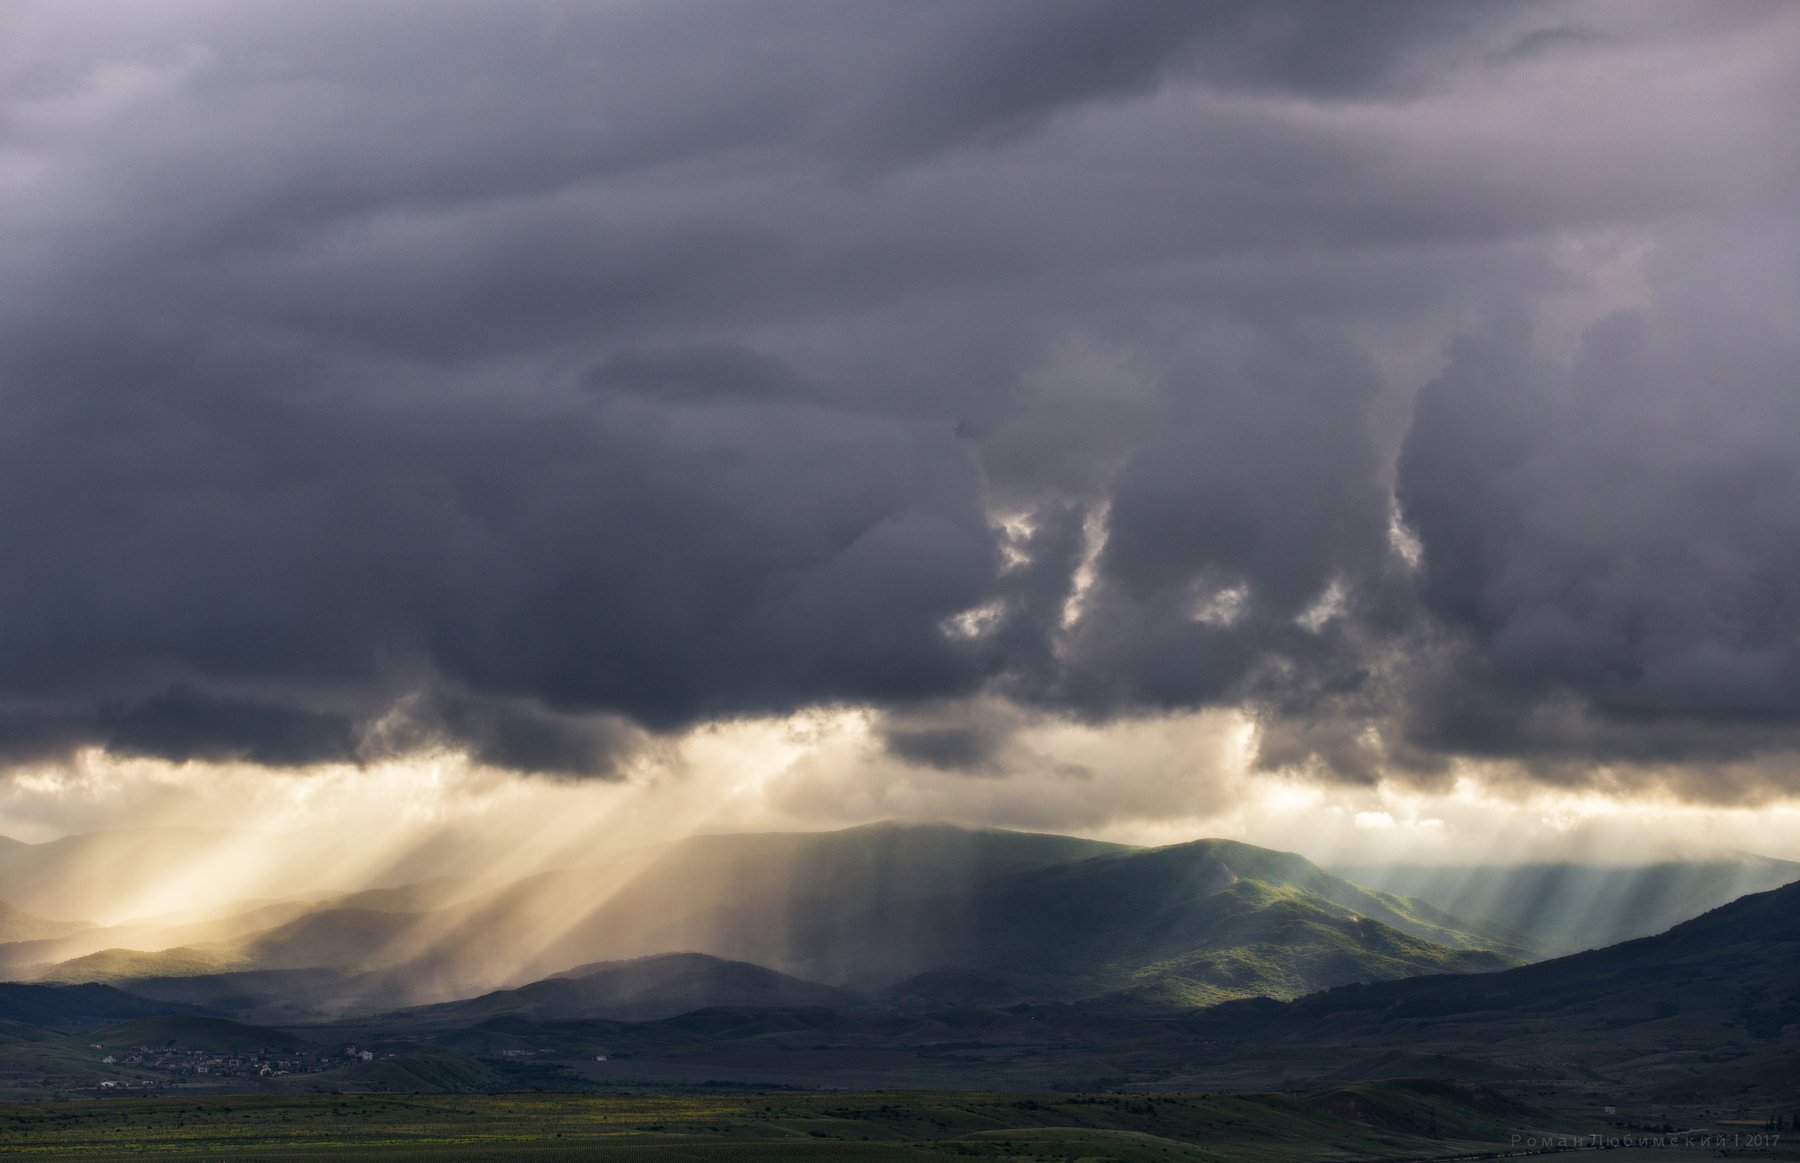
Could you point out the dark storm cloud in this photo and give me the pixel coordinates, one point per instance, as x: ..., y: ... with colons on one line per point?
x: 531, y: 379
x: 1620, y: 531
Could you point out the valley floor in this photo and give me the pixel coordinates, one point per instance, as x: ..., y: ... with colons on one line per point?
x: 1392, y: 1121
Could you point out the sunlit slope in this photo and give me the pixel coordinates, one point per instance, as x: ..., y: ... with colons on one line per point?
x: 77, y: 876
x: 1569, y: 907
x: 257, y: 935
x: 171, y: 875
x: 127, y: 964
x: 30, y: 958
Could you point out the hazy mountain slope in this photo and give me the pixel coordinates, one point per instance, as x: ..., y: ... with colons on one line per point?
x: 1569, y: 907
x: 333, y: 930
x: 19, y: 925
x: 30, y: 958
x: 130, y: 876
x: 77, y: 876
x: 435, y: 893
x: 426, y: 895
x: 112, y: 965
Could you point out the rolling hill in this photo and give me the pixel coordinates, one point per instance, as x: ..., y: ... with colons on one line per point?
x: 77, y: 1008
x: 1707, y: 1014
x: 19, y: 925
x: 644, y: 989
x: 1185, y: 923
x: 867, y: 909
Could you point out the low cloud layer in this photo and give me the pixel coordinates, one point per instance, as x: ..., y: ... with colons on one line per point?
x: 541, y: 381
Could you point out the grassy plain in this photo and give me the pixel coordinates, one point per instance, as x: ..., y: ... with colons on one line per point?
x: 1372, y: 1121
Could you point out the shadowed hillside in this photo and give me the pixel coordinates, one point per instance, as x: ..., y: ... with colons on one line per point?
x: 1711, y: 1004
x: 644, y: 990
x: 76, y: 1008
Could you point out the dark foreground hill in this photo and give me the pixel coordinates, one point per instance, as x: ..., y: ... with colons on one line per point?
x: 644, y: 989
x: 1709, y: 1007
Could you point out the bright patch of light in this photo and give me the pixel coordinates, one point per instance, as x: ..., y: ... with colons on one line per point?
x: 1222, y: 607
x: 1327, y: 606
x: 1093, y: 542
x: 1402, y: 540
x: 974, y: 623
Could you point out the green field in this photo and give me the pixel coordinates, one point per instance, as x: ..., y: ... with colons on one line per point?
x: 1394, y: 1120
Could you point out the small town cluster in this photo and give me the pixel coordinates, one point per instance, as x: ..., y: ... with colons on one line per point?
x: 196, y: 1064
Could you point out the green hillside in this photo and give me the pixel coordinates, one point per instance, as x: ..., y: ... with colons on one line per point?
x: 869, y: 908
x: 1189, y: 924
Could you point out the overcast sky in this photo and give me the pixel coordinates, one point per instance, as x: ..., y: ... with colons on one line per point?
x: 1418, y: 383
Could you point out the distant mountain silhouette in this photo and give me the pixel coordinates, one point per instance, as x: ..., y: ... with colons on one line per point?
x: 1570, y: 907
